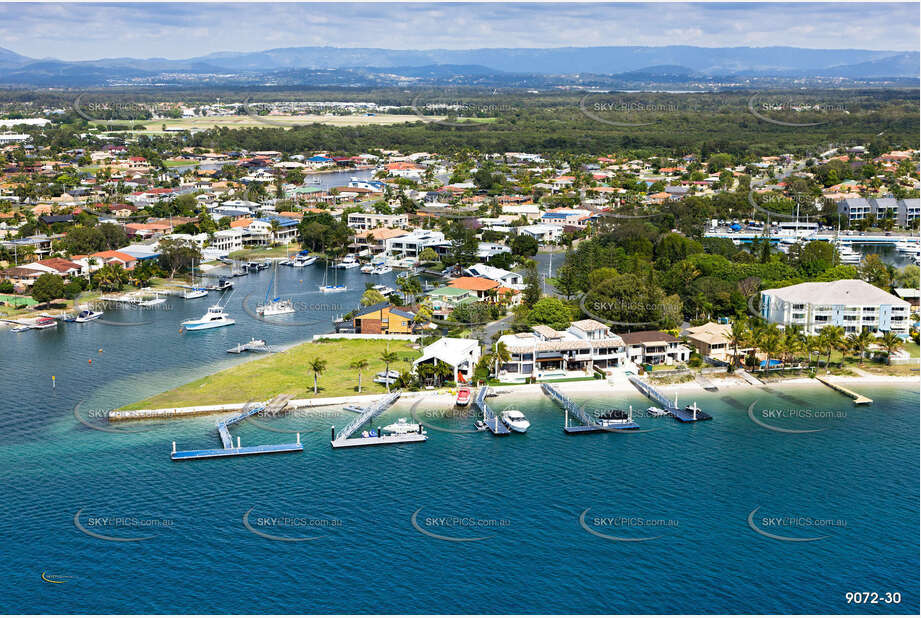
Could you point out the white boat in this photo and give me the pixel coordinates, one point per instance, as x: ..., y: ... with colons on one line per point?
x: 383, y: 269
x: 191, y: 293
x: 386, y: 290
x: 300, y: 261
x: 194, y: 291
x: 326, y: 288
x: 654, y: 411
x: 43, y: 323
x: 349, y: 261
x: 88, y: 315
x: 402, y: 427
x: 276, y: 306
x: 387, y: 378
x: 213, y: 318
x: 515, y: 420
x: 21, y: 328
x: 367, y: 269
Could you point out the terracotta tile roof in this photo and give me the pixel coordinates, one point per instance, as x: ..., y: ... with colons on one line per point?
x: 477, y: 284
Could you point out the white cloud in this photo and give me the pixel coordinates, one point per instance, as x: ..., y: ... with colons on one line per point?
x: 87, y: 31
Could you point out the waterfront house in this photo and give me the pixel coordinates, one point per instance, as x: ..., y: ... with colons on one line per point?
x: 546, y: 353
x: 461, y: 355
x: 383, y: 318
x: 499, y: 275
x: 713, y: 340
x: 371, y: 220
x: 445, y: 299
x: 852, y: 304
x: 653, y: 347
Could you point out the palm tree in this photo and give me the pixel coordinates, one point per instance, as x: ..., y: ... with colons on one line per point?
x: 388, y: 357
x: 860, y: 342
x: 813, y: 344
x: 892, y: 343
x: 771, y: 343
x: 501, y: 356
x: 738, y: 335
x: 442, y: 371
x: 318, y: 366
x: 794, y: 343
x: 832, y: 339
x: 359, y: 364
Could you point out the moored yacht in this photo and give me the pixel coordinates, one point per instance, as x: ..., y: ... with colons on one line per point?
x: 402, y: 426
x: 516, y: 420
x: 215, y: 317
x: 88, y: 315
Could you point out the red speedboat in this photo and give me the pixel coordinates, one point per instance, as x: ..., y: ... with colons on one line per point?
x: 463, y: 396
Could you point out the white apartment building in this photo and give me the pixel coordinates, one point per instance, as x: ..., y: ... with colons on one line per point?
x: 856, y: 305
x: 371, y: 220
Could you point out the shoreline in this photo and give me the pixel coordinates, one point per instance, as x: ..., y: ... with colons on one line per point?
x: 527, y: 391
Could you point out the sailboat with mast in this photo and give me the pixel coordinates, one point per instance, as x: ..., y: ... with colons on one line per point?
x: 194, y: 291
x: 275, y: 306
x: 326, y: 288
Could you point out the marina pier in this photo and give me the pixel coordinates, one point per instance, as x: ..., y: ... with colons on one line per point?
x: 690, y: 414
x: 344, y: 440
x: 859, y: 400
x: 495, y: 425
x: 589, y: 424
x: 229, y: 450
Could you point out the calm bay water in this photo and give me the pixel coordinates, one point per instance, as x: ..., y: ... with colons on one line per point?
x: 693, y: 487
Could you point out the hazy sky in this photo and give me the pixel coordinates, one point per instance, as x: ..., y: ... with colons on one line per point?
x: 172, y: 30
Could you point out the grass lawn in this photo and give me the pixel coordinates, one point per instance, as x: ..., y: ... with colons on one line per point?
x: 289, y: 372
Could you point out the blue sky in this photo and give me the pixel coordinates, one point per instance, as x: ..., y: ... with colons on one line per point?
x: 87, y: 31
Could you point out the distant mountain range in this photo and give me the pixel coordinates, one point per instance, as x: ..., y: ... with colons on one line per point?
x: 671, y: 63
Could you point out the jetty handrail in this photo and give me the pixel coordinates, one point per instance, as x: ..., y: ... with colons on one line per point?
x: 650, y: 392
x: 567, y: 404
x: 242, y: 415
x: 368, y: 413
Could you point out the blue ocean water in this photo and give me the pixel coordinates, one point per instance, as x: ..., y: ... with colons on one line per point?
x: 693, y: 487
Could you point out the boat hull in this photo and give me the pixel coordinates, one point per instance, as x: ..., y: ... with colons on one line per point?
x: 193, y: 326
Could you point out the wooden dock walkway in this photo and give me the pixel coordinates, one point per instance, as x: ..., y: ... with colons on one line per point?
x: 859, y: 400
